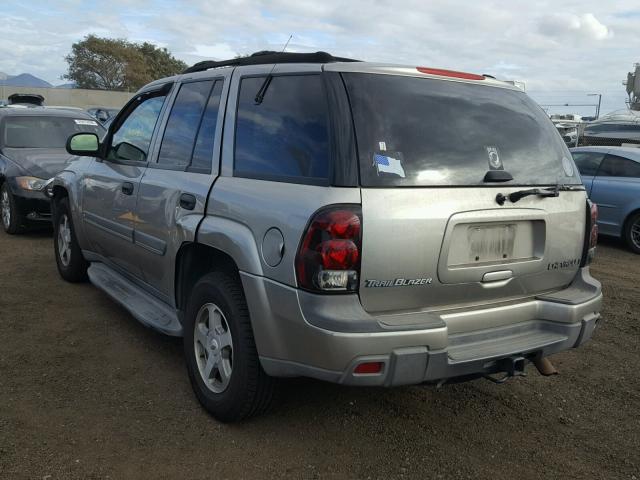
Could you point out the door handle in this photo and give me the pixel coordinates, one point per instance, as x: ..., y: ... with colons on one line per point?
x: 127, y: 188
x: 187, y: 201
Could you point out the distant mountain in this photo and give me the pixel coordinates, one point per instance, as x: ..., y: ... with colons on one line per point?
x: 3, y: 76
x: 25, y: 80
x: 66, y: 85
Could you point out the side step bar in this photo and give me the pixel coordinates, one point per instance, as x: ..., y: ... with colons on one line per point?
x: 143, y: 306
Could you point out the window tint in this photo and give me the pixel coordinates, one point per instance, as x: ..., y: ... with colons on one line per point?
x: 131, y: 141
x: 587, y: 162
x: 418, y: 131
x: 614, y: 166
x: 286, y: 135
x: 203, y: 151
x: 182, y: 126
x: 45, y: 132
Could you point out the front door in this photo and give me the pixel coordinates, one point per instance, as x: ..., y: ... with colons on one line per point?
x: 174, y: 189
x: 110, y: 191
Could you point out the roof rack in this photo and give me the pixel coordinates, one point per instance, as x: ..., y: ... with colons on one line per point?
x: 266, y: 57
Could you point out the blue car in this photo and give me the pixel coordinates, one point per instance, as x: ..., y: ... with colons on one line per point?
x: 611, y: 176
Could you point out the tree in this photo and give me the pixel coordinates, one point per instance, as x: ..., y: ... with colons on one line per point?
x: 116, y: 64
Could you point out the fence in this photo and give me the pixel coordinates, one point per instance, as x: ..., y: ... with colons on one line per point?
x: 72, y: 97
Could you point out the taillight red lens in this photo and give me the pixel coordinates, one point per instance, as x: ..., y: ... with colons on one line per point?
x: 339, y: 254
x: 329, y: 254
x: 593, y: 239
x: 591, y: 234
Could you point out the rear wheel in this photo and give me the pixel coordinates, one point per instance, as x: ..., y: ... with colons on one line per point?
x: 220, y: 351
x: 12, y: 220
x: 632, y: 233
x: 71, y: 264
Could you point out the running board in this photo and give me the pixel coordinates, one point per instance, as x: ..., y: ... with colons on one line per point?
x: 143, y: 306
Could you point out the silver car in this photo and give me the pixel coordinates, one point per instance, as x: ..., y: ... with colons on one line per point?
x: 305, y: 215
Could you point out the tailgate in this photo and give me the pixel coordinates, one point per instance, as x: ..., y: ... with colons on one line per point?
x: 434, y: 248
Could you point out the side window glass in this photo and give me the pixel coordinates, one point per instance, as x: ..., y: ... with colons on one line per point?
x: 182, y: 126
x: 587, y: 162
x: 203, y: 150
x: 132, y: 140
x: 286, y: 135
x: 615, y: 166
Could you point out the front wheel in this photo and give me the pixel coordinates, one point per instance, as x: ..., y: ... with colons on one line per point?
x: 12, y: 220
x: 220, y: 351
x: 71, y: 264
x: 632, y: 233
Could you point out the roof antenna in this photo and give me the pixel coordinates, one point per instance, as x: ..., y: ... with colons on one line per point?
x: 267, y: 81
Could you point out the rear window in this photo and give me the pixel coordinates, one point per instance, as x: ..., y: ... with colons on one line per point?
x: 45, y: 132
x: 423, y: 132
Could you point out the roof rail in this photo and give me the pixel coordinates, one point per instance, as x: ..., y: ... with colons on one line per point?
x: 266, y: 57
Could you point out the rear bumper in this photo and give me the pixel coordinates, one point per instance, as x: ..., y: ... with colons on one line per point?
x: 326, y: 337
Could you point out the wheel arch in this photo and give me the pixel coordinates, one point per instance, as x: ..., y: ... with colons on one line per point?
x: 193, y: 261
x: 628, y: 218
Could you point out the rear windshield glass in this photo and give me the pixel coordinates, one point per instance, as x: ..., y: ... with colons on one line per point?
x: 421, y: 132
x: 45, y: 132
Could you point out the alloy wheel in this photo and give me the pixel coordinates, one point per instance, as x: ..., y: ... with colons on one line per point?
x: 5, y: 209
x: 635, y: 233
x: 213, y: 347
x: 64, y: 240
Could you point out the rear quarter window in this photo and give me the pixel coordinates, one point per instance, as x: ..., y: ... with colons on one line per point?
x: 285, y: 137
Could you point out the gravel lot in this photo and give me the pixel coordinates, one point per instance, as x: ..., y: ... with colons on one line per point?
x: 87, y: 392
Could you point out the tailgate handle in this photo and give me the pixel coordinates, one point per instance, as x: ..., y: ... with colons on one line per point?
x: 497, y: 276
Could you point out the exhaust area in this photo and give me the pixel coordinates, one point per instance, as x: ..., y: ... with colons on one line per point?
x: 545, y: 367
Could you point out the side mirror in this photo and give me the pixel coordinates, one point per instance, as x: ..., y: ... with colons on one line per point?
x: 83, y: 144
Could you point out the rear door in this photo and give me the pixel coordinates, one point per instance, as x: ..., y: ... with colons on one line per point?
x: 588, y: 164
x: 616, y: 187
x: 174, y: 189
x: 432, y: 154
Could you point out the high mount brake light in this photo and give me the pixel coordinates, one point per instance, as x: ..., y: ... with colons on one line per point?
x: 591, y: 234
x: 329, y: 255
x: 450, y: 73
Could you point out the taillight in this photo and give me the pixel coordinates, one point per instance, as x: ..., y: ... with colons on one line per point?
x: 329, y: 255
x: 591, y: 234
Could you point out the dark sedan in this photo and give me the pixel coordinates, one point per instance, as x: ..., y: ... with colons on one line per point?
x: 32, y: 150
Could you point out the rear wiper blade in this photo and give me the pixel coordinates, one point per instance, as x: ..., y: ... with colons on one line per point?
x: 540, y: 192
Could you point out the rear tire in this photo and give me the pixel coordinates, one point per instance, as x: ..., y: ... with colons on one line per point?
x: 632, y: 233
x: 12, y: 219
x: 71, y: 263
x: 220, y: 351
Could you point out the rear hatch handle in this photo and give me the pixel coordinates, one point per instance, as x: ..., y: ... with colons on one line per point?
x: 540, y: 192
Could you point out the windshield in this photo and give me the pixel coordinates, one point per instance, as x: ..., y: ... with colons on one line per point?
x: 45, y: 132
x: 424, y: 132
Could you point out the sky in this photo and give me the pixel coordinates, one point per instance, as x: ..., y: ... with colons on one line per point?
x: 563, y: 51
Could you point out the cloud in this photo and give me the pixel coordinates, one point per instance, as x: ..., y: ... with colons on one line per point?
x: 583, y: 27
x: 572, y: 49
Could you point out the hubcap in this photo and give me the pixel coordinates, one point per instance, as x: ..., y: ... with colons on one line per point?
x: 64, y: 240
x: 213, y: 348
x: 635, y: 233
x: 5, y: 208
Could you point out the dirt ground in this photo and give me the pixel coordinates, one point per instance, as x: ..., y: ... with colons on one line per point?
x: 87, y: 392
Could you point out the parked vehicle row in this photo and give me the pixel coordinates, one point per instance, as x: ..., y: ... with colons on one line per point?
x: 32, y: 151
x: 305, y: 215
x: 611, y: 176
